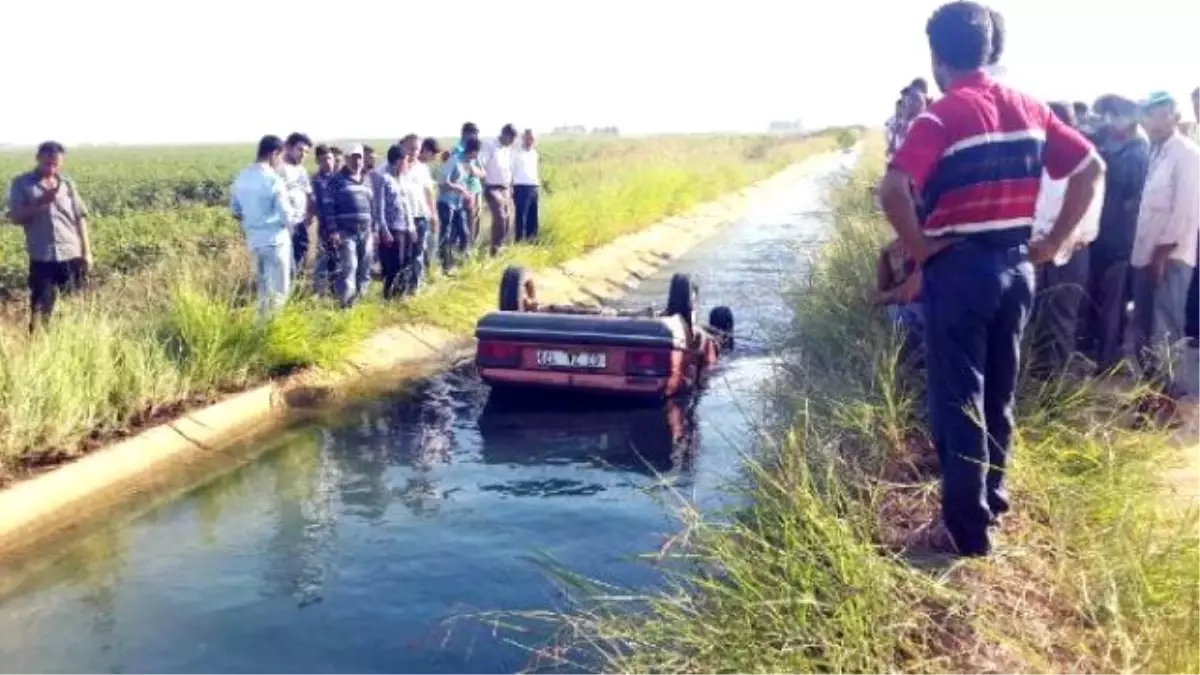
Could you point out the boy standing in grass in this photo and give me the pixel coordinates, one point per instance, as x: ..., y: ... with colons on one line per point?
x: 976, y: 156
x: 261, y: 204
x: 455, y: 202
x: 48, y: 207
x: 526, y: 182
x: 474, y: 180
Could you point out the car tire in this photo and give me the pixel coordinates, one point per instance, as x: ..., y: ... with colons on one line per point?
x: 681, y: 299
x: 516, y: 289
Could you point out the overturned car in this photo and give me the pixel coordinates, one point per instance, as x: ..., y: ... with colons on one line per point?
x: 643, y: 353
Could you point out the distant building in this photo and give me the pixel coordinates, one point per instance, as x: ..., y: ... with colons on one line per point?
x: 786, y: 127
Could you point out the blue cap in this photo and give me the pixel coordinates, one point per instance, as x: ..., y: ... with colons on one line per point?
x: 1156, y: 99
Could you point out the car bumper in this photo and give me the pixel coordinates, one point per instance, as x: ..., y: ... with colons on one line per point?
x: 593, y: 383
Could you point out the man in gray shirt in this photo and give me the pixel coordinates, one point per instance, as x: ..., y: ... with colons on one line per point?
x: 48, y: 206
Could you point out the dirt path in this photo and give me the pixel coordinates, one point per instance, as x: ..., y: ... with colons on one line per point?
x: 1182, y: 483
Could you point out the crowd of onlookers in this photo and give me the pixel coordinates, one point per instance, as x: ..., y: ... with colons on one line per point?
x: 1080, y: 221
x: 366, y: 208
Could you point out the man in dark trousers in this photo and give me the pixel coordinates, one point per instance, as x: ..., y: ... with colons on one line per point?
x: 1126, y: 153
x: 976, y: 156
x: 526, y: 180
x: 48, y: 207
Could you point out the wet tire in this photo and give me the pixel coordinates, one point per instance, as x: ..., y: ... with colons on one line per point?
x: 681, y: 299
x: 516, y: 289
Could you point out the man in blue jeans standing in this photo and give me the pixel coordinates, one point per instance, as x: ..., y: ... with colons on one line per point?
x: 976, y: 157
x: 349, y: 213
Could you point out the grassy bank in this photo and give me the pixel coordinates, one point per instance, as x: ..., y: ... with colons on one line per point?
x: 829, y: 567
x: 176, y: 327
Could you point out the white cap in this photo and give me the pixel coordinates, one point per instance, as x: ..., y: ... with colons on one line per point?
x: 354, y: 149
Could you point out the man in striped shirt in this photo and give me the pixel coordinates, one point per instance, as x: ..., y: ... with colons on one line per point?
x: 976, y: 157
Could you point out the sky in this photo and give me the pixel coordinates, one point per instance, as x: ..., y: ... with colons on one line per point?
x: 103, y: 71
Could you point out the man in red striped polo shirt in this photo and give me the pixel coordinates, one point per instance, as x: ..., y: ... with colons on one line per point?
x: 976, y: 157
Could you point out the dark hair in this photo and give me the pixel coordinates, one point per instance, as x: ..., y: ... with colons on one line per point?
x: 368, y: 150
x: 920, y: 85
x: 409, y: 137
x: 960, y: 35
x: 430, y: 145
x: 471, y: 145
x: 1080, y: 108
x: 269, y: 145
x: 508, y: 130
x: 321, y: 150
x: 337, y: 152
x: 296, y: 138
x: 999, y: 37
x: 395, y: 153
x: 469, y: 128
x: 1119, y: 106
x: 1063, y: 112
x: 51, y: 148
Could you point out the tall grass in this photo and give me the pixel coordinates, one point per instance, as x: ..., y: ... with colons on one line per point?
x: 829, y: 567
x: 176, y: 325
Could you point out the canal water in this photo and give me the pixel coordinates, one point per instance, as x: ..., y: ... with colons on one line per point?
x: 368, y: 542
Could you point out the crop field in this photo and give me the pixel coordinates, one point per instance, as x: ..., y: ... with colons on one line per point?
x: 168, y: 319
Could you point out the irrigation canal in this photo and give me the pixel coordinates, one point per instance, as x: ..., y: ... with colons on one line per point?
x: 351, y: 545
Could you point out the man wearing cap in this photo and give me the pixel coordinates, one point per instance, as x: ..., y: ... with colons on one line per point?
x: 976, y: 157
x: 496, y: 158
x: 1164, y: 249
x: 48, y: 206
x: 474, y: 182
x: 454, y: 195
x: 261, y: 204
x: 1126, y: 152
x: 349, y: 212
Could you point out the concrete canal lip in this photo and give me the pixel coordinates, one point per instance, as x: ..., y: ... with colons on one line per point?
x: 77, y: 495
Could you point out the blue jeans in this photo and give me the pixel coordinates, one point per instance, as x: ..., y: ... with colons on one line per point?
x: 977, y: 302
x: 454, y: 236
x: 273, y: 276
x: 356, y: 253
x: 417, y: 254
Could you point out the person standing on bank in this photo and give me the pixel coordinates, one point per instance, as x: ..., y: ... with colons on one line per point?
x: 454, y: 202
x: 1061, y: 281
x: 976, y: 156
x: 497, y: 184
x: 474, y: 180
x: 48, y: 207
x: 396, y: 230
x: 300, y: 191
x: 526, y: 181
x: 1126, y: 154
x: 326, y: 264
x: 349, y: 211
x: 260, y: 202
x: 1164, y: 249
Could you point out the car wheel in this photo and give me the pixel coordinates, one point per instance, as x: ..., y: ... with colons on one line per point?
x: 516, y: 289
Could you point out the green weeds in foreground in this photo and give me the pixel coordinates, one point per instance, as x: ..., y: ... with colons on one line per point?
x: 182, y: 330
x: 827, y: 568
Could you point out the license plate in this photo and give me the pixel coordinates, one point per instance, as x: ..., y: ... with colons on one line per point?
x: 552, y: 358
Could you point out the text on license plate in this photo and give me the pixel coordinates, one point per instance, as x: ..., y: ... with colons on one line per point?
x: 553, y: 358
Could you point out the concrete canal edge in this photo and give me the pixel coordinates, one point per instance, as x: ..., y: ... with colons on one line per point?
x: 74, y: 496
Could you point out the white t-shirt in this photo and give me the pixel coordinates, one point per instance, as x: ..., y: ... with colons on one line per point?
x: 1049, y: 205
x: 420, y: 180
x: 497, y: 163
x: 299, y: 189
x: 525, y: 167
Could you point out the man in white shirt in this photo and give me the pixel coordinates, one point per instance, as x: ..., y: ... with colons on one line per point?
x: 1165, y: 246
x: 496, y: 159
x: 300, y: 193
x: 1062, y: 281
x: 526, y: 180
